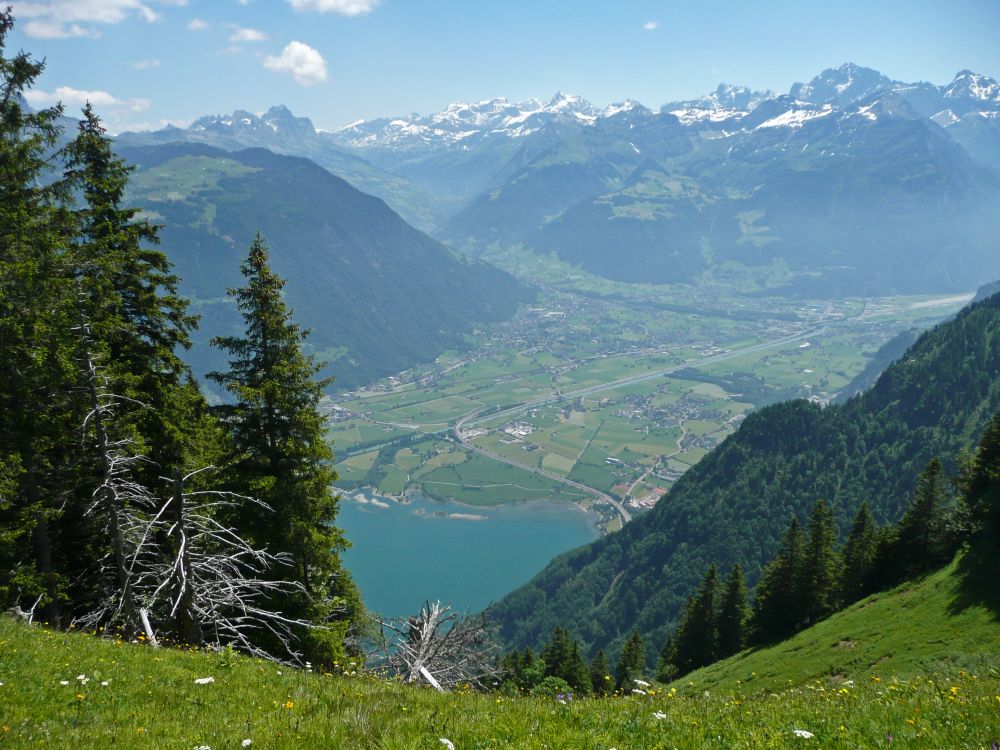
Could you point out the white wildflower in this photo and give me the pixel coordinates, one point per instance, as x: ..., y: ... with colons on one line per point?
x: 637, y: 691
x: 659, y: 715
x: 81, y: 677
x: 202, y: 747
x: 448, y: 743
x: 641, y: 683
x: 105, y: 683
x: 246, y: 743
x: 64, y: 682
x: 204, y: 680
x: 802, y: 733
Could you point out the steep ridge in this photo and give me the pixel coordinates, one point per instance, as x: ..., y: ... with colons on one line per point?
x: 378, y: 295
x: 734, y: 505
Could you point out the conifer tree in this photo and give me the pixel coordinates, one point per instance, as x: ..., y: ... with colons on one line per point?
x: 578, y: 675
x: 666, y: 663
x: 36, y: 375
x: 281, y: 454
x: 632, y: 661
x: 921, y: 542
x: 600, y: 674
x: 820, y: 570
x: 777, y: 610
x: 557, y: 654
x: 859, y: 556
x: 982, y: 492
x: 695, y: 643
x: 130, y: 324
x: 733, y: 615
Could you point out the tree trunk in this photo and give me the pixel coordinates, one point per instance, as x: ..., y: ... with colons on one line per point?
x: 188, y: 626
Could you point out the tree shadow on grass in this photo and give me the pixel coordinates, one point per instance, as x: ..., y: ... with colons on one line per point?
x: 979, y: 577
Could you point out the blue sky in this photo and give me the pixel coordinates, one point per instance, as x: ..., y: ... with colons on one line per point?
x: 145, y: 62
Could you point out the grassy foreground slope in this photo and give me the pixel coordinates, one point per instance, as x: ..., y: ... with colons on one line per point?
x: 946, y: 622
x: 60, y: 690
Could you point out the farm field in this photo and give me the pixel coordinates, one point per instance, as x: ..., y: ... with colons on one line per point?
x: 618, y: 396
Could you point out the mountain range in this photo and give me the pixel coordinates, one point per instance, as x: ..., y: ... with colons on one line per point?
x: 851, y: 183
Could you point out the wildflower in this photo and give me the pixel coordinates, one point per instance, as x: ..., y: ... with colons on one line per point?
x: 105, y: 683
x: 246, y: 743
x: 202, y: 747
x: 659, y: 715
x: 204, y: 680
x: 641, y: 683
x: 289, y: 704
x: 64, y: 682
x: 6, y: 728
x: 447, y: 743
x: 637, y: 691
x: 805, y: 734
x: 140, y: 730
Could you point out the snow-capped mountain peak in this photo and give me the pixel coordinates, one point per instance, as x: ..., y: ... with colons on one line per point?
x: 969, y: 85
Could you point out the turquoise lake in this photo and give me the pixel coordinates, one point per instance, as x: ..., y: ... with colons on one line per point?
x: 403, y: 554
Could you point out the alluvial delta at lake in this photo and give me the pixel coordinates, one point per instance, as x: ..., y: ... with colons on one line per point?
x: 404, y: 553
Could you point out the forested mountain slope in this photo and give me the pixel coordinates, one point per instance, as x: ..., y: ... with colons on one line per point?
x: 735, y: 504
x: 378, y: 295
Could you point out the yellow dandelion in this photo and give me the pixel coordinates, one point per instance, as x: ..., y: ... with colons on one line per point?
x: 289, y: 704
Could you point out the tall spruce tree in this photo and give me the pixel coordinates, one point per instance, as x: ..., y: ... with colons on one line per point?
x: 282, y: 456
x: 733, y: 615
x: 632, y: 661
x: 820, y: 569
x: 777, y: 610
x: 859, y: 555
x: 600, y: 674
x: 982, y: 489
x: 695, y: 643
x: 921, y: 542
x: 36, y: 373
x: 666, y: 662
x: 131, y: 324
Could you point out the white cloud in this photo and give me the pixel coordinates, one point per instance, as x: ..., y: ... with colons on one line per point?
x: 247, y: 35
x: 650, y: 25
x: 305, y: 64
x: 73, y: 98
x: 343, y: 7
x: 145, y: 64
x: 196, y: 24
x: 59, y: 19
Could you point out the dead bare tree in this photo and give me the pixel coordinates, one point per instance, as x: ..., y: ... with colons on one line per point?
x: 441, y: 647
x: 208, y: 585
x: 119, y: 501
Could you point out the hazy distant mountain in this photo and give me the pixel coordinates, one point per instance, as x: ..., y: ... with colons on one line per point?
x: 852, y: 182
x: 379, y: 295
x: 280, y: 131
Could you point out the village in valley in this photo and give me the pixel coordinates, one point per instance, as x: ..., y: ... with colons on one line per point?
x: 600, y: 401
